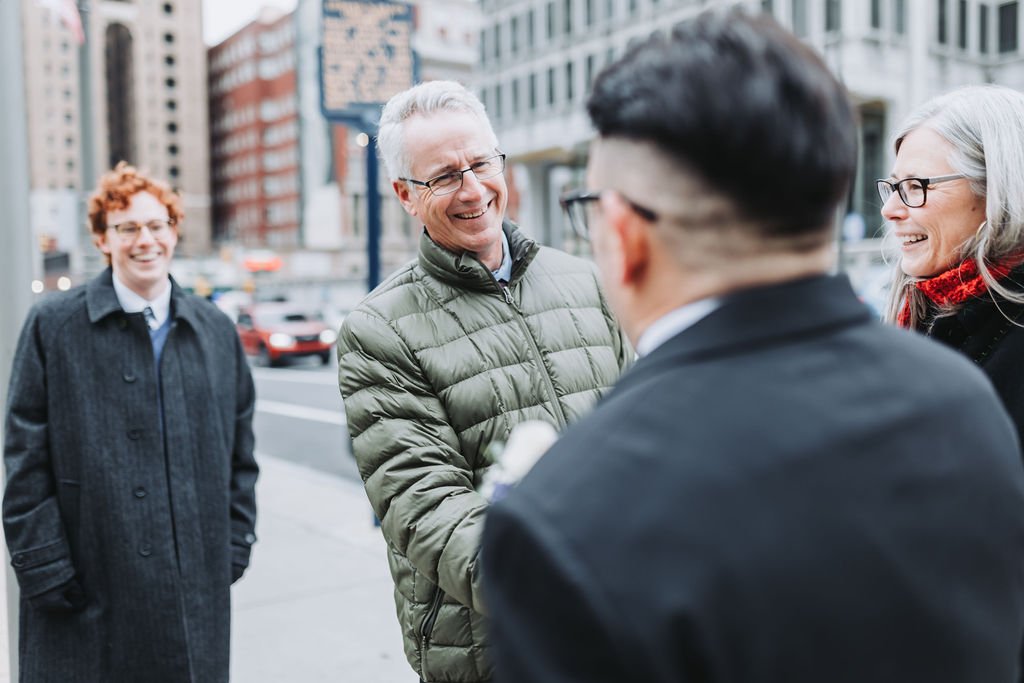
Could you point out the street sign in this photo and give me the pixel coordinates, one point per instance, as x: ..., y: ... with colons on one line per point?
x: 366, y: 56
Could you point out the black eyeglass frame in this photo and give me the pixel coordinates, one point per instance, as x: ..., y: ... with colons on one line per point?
x: 583, y: 197
x: 897, y: 188
x: 429, y: 184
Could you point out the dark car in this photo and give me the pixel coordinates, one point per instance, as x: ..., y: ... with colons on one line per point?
x: 274, y: 332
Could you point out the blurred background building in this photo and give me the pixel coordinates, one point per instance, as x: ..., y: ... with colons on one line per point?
x: 143, y: 72
x: 284, y: 181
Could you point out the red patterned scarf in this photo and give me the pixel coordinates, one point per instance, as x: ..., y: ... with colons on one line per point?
x: 958, y: 285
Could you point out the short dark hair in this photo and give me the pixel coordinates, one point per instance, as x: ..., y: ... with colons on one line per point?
x: 743, y: 103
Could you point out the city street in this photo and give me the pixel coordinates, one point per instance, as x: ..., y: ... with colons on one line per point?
x: 316, y: 604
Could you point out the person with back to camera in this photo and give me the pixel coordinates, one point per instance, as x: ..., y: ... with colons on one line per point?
x: 782, y: 489
x: 955, y: 207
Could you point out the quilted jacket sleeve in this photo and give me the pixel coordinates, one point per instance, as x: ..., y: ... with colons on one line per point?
x: 36, y: 537
x: 419, y: 483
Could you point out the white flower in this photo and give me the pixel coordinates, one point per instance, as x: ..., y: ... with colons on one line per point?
x: 527, y: 442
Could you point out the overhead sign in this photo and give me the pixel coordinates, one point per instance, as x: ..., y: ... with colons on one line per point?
x: 365, y: 56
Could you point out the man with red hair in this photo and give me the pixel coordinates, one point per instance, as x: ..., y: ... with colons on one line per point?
x: 129, y: 507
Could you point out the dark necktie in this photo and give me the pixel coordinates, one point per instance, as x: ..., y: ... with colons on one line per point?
x: 150, y: 317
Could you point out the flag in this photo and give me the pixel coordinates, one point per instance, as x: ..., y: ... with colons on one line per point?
x: 67, y: 12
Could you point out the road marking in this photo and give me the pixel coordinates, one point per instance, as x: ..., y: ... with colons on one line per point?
x: 298, y: 376
x: 334, y: 417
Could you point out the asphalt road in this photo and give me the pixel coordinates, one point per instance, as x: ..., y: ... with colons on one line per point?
x: 300, y: 417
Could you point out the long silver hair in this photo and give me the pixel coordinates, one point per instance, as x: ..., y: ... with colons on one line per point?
x: 985, y: 126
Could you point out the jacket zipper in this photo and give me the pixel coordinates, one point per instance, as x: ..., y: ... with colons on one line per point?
x: 506, y: 290
x: 428, y: 623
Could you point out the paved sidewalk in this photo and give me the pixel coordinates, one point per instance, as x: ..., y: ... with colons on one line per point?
x: 316, y: 604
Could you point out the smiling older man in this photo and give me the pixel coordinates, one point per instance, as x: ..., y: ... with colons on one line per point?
x: 486, y: 329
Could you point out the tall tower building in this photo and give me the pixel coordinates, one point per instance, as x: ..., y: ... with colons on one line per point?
x: 146, y: 81
x: 255, y: 134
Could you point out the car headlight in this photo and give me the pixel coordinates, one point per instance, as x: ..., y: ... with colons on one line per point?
x: 328, y: 336
x: 280, y: 340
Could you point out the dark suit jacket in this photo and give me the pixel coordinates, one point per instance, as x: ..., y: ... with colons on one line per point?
x: 787, y: 491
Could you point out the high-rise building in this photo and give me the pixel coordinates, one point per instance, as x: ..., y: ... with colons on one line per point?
x: 538, y: 59
x: 146, y: 81
x: 254, y: 128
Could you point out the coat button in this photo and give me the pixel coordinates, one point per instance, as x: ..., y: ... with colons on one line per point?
x: 134, y: 434
x: 129, y: 376
x: 19, y: 561
x: 145, y: 550
x: 140, y: 492
x: 250, y: 538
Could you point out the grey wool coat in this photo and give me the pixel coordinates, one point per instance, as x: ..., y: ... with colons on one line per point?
x: 149, y: 519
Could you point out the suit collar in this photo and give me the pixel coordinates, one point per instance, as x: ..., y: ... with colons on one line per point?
x: 101, y: 300
x: 760, y: 316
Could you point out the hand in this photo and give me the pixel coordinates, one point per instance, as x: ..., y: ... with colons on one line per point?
x: 67, y: 597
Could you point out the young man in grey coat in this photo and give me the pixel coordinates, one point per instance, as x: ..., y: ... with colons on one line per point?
x: 486, y: 329
x: 129, y: 507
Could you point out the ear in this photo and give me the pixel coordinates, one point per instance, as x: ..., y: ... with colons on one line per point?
x: 100, y: 240
x: 630, y: 239
x: 404, y: 194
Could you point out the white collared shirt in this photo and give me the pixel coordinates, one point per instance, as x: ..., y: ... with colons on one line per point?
x: 504, y: 271
x: 134, y: 303
x: 672, y: 323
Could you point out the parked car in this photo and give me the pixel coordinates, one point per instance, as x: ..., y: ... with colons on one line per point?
x: 274, y: 332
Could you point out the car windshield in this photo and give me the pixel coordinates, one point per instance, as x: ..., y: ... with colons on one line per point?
x: 279, y: 317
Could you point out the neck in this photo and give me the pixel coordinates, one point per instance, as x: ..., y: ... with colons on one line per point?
x: 674, y: 286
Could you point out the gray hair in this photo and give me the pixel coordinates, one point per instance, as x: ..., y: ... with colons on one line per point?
x: 425, y: 99
x: 985, y: 126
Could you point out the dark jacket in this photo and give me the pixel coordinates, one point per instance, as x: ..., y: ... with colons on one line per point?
x: 786, y: 492
x: 148, y: 519
x: 437, y: 364
x: 993, y: 337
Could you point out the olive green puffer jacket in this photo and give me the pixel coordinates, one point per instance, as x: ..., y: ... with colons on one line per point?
x: 434, y: 365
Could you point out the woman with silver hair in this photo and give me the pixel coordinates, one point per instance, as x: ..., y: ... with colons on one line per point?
x: 955, y: 207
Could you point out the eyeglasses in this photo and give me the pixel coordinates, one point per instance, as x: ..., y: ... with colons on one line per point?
x: 446, y: 183
x: 913, y: 191
x: 131, y: 230
x: 576, y: 203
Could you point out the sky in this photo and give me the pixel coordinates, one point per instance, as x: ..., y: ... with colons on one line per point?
x: 221, y: 18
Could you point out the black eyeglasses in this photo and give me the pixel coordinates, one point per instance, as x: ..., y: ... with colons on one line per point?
x: 913, y: 191
x: 575, y: 204
x: 446, y: 183
x: 131, y: 230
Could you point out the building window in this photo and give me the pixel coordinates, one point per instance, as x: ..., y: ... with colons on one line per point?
x: 876, y: 13
x: 513, y: 39
x: 567, y: 17
x: 172, y: 150
x: 767, y: 6
x: 609, y: 10
x: 833, y: 11
x: 172, y: 127
x: 120, y: 80
x: 549, y: 17
x: 569, y: 93
x: 551, y: 86
x: 169, y: 38
x: 532, y: 92
x: 515, y: 97
x: 590, y: 68
x: 1008, y: 27
x: 634, y: 7
x: 169, y: 60
x: 943, y: 12
x: 168, y: 8
x: 171, y: 105
x: 497, y: 101
x: 497, y: 41
x: 799, y: 9
x: 899, y: 10
x: 170, y: 82
x: 983, y: 29
x: 529, y: 28
x: 483, y: 46
x: 961, y: 28
x: 173, y: 171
